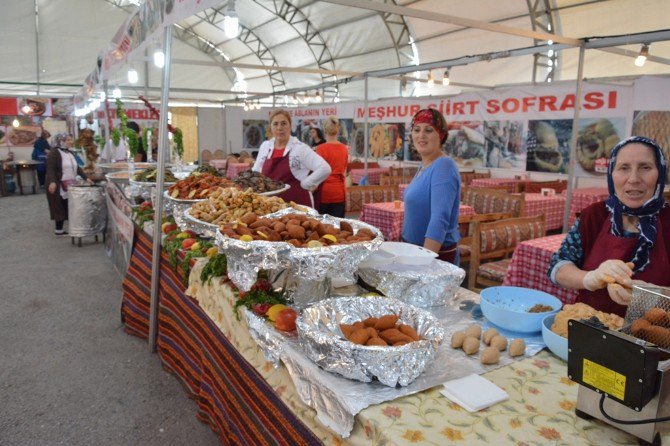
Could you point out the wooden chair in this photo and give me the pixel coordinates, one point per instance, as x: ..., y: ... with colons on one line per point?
x: 357, y: 196
x: 537, y: 186
x: 489, y: 201
x: 466, y: 224
x: 493, y: 244
x: 205, y: 157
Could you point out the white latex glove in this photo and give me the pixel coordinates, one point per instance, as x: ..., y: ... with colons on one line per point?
x: 619, y: 294
x: 610, y: 271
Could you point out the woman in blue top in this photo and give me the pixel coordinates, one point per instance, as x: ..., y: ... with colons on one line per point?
x: 433, y: 197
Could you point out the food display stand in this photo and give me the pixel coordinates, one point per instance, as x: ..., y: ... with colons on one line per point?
x: 248, y: 400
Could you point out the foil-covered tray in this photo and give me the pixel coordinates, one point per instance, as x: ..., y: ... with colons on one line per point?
x: 246, y: 259
x: 425, y: 286
x: 324, y: 343
x: 179, y: 207
x: 200, y: 227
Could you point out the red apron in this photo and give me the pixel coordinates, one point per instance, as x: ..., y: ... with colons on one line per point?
x: 279, y: 170
x: 608, y: 246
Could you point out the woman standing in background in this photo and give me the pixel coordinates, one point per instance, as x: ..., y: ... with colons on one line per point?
x: 432, y: 198
x: 336, y: 154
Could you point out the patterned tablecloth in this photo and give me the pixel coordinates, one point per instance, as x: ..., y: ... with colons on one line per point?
x: 374, y: 175
x: 218, y: 164
x: 388, y: 217
x: 489, y: 182
x: 583, y: 197
x: 235, y: 169
x: 551, y: 207
x: 539, y: 411
x: 529, y: 265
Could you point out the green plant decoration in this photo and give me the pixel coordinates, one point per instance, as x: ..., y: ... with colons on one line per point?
x: 179, y: 143
x: 116, y: 137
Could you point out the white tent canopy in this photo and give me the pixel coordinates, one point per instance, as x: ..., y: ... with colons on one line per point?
x: 309, y: 42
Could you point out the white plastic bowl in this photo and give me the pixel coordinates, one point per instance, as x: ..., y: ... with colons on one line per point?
x: 507, y: 307
x: 409, y: 254
x: 557, y: 344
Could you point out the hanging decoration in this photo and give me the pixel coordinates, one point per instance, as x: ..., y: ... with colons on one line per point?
x: 123, y: 131
x: 178, y: 134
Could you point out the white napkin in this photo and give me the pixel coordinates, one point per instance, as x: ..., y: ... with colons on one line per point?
x: 473, y: 392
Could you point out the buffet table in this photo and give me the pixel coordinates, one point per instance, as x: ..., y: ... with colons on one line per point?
x: 388, y: 217
x: 248, y: 401
x: 26, y: 174
x: 529, y: 265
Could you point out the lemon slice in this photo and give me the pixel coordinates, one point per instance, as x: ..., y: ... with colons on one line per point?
x: 330, y: 237
x: 191, y: 194
x: 246, y: 238
x: 211, y: 252
x: 262, y: 234
x: 314, y: 244
x: 175, y: 193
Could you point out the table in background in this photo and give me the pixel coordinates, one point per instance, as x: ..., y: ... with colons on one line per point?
x: 26, y: 169
x: 218, y: 163
x: 510, y: 183
x: 389, y: 218
x: 552, y: 208
x: 234, y: 169
x: 374, y: 175
x: 583, y: 197
x: 529, y: 265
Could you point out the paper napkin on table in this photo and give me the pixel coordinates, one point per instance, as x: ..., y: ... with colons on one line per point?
x: 473, y: 392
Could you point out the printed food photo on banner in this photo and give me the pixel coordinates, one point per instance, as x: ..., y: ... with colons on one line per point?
x: 386, y: 140
x: 597, y: 137
x: 465, y: 144
x: 548, y: 145
x: 346, y: 126
x: 3, y: 133
x: 654, y: 125
x: 253, y: 133
x: 23, y: 136
x: 36, y: 106
x: 303, y: 128
x: 504, y: 144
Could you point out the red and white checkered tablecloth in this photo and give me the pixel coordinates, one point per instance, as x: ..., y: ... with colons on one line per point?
x: 583, y: 197
x: 529, y: 265
x: 218, y: 164
x: 551, y: 207
x: 488, y: 182
x: 401, y: 190
x: 374, y: 175
x: 234, y: 169
x: 389, y: 218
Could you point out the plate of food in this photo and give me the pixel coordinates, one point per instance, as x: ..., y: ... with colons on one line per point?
x: 275, y: 192
x: 22, y: 136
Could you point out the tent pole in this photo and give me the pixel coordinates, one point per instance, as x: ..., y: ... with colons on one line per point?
x: 365, y: 127
x: 163, y: 144
x: 37, y: 46
x: 573, y: 139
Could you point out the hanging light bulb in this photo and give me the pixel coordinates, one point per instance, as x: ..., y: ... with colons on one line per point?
x: 15, y: 123
x: 317, y: 96
x: 431, y: 81
x: 116, y: 93
x: 445, y: 78
x: 231, y: 22
x: 103, y: 95
x: 295, y: 99
x: 159, y: 57
x: 133, y: 77
x: 642, y: 57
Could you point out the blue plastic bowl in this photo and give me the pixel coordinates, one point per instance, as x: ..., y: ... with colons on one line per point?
x: 557, y: 344
x: 507, y: 307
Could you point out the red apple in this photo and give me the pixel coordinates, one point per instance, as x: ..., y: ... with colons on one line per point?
x: 168, y: 227
x: 187, y: 243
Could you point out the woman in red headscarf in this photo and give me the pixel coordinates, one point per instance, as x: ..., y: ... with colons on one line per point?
x: 432, y: 198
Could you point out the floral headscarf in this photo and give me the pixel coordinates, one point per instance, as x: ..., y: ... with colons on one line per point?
x: 648, y: 212
x: 433, y: 118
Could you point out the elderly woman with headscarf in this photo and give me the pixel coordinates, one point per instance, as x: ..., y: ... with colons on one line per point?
x: 625, y: 238
x: 432, y: 198
x: 62, y: 171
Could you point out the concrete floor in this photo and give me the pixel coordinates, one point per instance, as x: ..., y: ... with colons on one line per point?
x: 68, y: 372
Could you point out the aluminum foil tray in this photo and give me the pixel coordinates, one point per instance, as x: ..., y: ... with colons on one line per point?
x: 245, y: 259
x: 322, y: 340
x: 425, y: 286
